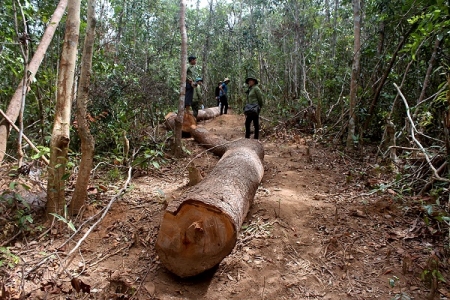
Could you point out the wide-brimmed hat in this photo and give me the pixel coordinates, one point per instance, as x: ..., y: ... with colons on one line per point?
x: 192, y: 57
x: 226, y: 79
x: 252, y: 78
x: 199, y: 79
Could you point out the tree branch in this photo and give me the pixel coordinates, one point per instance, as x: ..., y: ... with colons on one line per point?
x: 413, y: 136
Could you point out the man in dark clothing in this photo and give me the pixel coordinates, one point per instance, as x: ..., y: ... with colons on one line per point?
x: 190, y: 83
x: 224, y: 96
x: 254, y: 96
x: 217, y: 93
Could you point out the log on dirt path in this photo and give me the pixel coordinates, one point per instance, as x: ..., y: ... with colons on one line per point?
x: 200, y: 228
x: 189, y: 121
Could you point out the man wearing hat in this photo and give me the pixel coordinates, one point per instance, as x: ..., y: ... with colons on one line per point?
x: 190, y: 75
x: 254, y: 96
x: 224, y: 96
x: 197, y: 99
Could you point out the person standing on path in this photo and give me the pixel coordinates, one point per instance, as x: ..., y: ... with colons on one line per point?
x: 224, y: 96
x: 190, y: 84
x: 217, y: 92
x: 197, y: 99
x: 254, y: 96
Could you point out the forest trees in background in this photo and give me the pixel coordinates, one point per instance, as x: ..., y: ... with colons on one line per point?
x: 301, y: 50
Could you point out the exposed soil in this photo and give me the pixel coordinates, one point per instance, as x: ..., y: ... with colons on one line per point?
x: 314, y: 231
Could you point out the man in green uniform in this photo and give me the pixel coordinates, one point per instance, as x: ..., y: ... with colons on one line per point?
x: 197, y: 99
x: 254, y: 96
x: 190, y: 84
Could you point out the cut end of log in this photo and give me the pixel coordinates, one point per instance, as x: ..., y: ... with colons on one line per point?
x: 194, y: 239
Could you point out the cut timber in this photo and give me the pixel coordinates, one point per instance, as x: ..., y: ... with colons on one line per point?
x: 200, y: 228
x: 208, y: 113
x: 189, y: 122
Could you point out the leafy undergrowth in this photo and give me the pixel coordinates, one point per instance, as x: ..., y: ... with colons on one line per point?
x: 323, y: 225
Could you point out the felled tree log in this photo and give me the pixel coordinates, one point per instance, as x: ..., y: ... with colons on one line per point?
x: 208, y: 113
x: 189, y: 122
x: 200, y: 228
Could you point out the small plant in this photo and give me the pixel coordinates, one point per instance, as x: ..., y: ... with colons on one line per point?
x: 393, y: 281
x: 43, y: 151
x: 20, y: 206
x: 7, y: 258
x: 64, y: 219
x: 114, y: 174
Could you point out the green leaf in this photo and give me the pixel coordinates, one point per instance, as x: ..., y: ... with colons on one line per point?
x: 12, y: 185
x: 71, y: 226
x: 65, y: 176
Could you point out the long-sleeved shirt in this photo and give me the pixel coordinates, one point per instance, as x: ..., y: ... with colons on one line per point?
x: 191, y: 73
x: 198, y: 94
x: 255, y: 95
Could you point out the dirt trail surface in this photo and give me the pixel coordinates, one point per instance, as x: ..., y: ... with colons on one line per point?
x: 314, y: 231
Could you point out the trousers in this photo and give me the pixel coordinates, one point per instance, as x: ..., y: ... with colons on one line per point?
x: 248, y: 120
x: 224, y: 104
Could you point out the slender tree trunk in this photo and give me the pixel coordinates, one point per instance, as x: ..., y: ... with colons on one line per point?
x: 24, y: 47
x: 206, y: 47
x: 14, y: 105
x: 59, y: 144
x: 426, y: 81
x: 335, y: 17
x: 386, y: 73
x: 179, y: 119
x: 355, y: 73
x: 87, y: 140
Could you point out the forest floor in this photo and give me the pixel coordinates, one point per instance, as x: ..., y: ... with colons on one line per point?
x: 316, y: 230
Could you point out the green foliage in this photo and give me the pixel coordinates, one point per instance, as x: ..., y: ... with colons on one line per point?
x: 15, y: 208
x: 114, y: 174
x: 7, y: 258
x: 65, y: 219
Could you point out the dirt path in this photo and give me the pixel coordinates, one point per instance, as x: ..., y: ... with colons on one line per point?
x: 309, y: 235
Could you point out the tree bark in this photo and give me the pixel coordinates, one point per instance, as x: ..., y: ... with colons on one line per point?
x: 178, y: 150
x: 200, y: 228
x: 59, y: 144
x: 87, y: 140
x: 355, y: 73
x: 14, y: 106
x: 426, y: 81
x: 376, y: 97
x: 189, y: 121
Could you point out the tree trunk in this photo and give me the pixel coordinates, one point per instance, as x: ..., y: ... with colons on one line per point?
x: 179, y: 118
x: 59, y: 144
x: 426, y: 81
x: 200, y: 228
x: 355, y: 73
x: 383, y: 79
x: 14, y: 106
x: 189, y: 121
x: 87, y: 140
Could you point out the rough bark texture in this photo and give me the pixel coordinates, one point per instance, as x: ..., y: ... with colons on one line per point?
x: 355, y: 73
x: 186, y: 126
x: 200, y: 228
x: 208, y: 113
x: 14, y: 106
x: 59, y: 144
x: 189, y: 121
x: 87, y: 140
x: 179, y: 117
